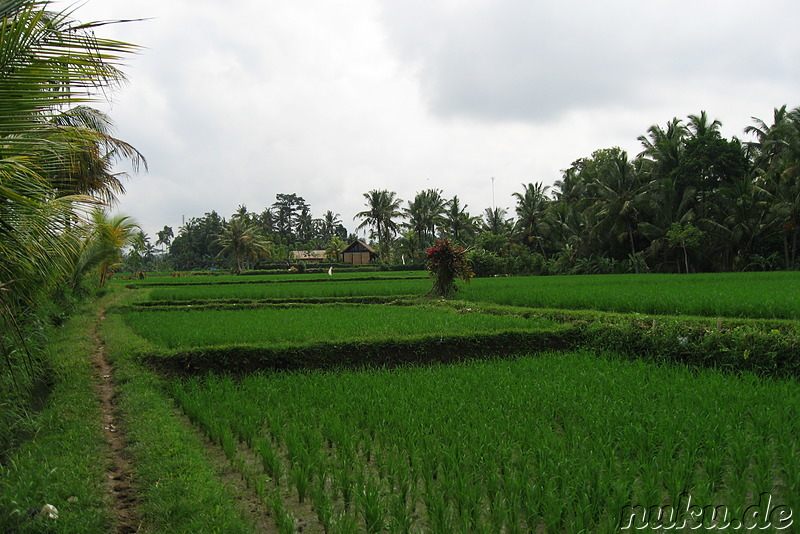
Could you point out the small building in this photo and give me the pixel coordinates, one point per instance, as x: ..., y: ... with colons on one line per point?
x: 359, y: 253
x: 308, y: 256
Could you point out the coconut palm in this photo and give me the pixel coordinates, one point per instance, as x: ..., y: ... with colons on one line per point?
x: 243, y: 241
x: 89, y: 169
x: 772, y: 141
x: 425, y: 214
x: 777, y: 166
x: 495, y: 221
x: 102, y: 249
x: 459, y: 225
x: 531, y: 211
x: 700, y: 125
x: 47, y: 62
x: 165, y: 236
x: 330, y: 221
x: 664, y: 148
x: 382, y: 208
x: 620, y: 195
x: 334, y: 249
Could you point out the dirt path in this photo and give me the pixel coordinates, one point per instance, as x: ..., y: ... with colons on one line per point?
x: 119, y: 476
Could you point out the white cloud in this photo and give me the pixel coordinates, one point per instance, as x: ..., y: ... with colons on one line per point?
x: 233, y: 103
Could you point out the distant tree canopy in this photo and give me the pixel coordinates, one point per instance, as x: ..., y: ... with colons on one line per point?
x: 246, y: 238
x: 691, y: 200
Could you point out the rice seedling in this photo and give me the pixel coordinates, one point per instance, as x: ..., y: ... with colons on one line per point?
x: 371, y: 505
x: 318, y: 324
x: 223, y: 279
x: 284, y: 519
x: 755, y: 295
x: 560, y: 441
x: 292, y: 290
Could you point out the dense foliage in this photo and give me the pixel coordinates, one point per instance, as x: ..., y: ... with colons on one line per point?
x: 248, y: 240
x: 56, y: 168
x: 690, y: 201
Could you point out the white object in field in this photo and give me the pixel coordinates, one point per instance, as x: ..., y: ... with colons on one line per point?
x: 330, y: 271
x: 403, y: 257
x: 49, y: 511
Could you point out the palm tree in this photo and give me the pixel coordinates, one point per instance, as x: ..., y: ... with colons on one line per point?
x: 103, y: 248
x: 664, y: 148
x: 495, y: 221
x: 242, y: 214
x: 771, y: 141
x: 700, y: 125
x: 165, y: 237
x: 89, y: 170
x: 334, y: 249
x: 242, y: 241
x: 47, y: 63
x: 458, y: 224
x: 531, y: 209
x: 620, y: 195
x: 425, y: 214
x: 777, y: 164
x: 382, y: 208
x: 330, y: 221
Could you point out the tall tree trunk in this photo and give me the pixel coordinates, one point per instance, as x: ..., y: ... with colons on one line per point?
x: 541, y: 247
x: 686, y: 259
x: 633, y: 251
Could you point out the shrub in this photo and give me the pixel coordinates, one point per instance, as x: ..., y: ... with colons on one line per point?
x: 485, y: 263
x: 447, y: 263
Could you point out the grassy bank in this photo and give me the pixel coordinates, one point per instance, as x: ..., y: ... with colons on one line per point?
x: 179, y: 488
x: 63, y: 462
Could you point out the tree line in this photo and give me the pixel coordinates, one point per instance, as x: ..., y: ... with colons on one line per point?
x: 244, y: 240
x: 690, y: 201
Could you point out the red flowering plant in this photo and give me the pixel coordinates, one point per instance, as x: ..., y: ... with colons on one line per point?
x: 447, y: 263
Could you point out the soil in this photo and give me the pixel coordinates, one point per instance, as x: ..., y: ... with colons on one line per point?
x: 119, y: 475
x: 249, y: 503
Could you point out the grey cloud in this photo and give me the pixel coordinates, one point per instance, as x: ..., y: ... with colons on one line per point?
x: 520, y: 60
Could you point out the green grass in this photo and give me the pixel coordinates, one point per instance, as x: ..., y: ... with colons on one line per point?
x: 179, y: 489
x: 315, y: 324
x: 63, y: 462
x: 558, y: 441
x: 208, y: 279
x: 561, y: 441
x: 293, y: 290
x: 774, y: 295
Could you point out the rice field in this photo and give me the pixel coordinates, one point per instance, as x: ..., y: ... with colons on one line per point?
x: 559, y: 442
x: 158, y: 279
x: 546, y: 443
x: 293, y: 290
x: 773, y: 295
x: 316, y: 324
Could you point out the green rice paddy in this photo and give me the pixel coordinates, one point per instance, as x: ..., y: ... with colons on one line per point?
x: 292, y: 290
x: 559, y: 442
x: 163, y: 279
x: 774, y: 295
x: 546, y: 442
x: 316, y: 324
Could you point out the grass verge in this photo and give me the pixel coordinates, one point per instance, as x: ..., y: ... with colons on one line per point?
x: 59, y: 464
x: 179, y: 489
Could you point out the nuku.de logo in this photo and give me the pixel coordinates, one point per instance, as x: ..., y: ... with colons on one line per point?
x: 765, y: 514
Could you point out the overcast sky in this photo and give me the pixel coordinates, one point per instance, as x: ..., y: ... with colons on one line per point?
x: 233, y: 102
